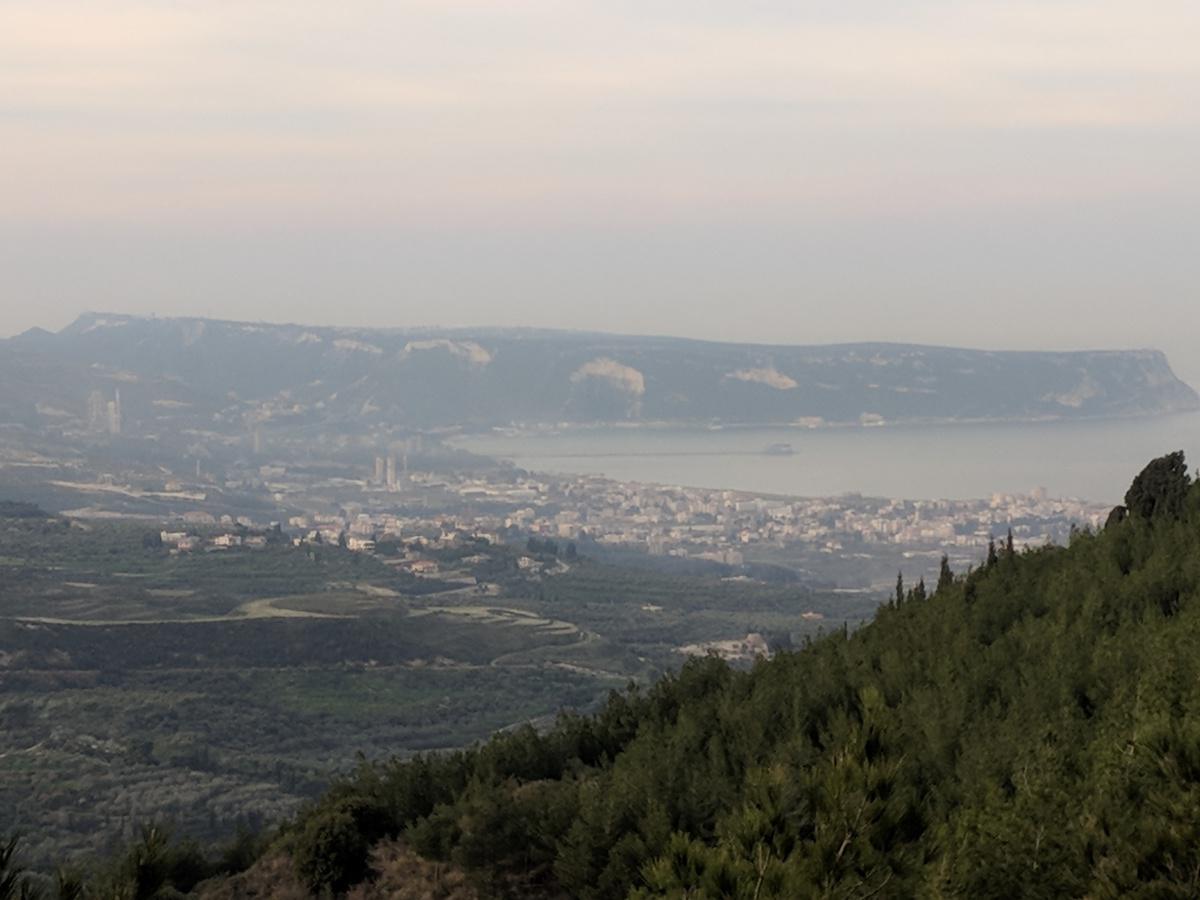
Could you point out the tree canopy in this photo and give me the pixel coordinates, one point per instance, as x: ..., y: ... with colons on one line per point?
x: 1161, y: 488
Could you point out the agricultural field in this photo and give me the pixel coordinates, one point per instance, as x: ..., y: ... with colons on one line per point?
x: 138, y: 685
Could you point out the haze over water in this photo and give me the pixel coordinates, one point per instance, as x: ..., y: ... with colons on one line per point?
x: 1091, y: 460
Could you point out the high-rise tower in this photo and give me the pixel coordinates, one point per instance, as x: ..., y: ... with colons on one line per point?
x: 114, y: 413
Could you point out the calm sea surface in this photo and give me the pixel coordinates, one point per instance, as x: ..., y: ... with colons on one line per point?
x: 1090, y: 460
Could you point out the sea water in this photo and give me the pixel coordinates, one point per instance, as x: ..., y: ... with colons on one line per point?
x: 1091, y: 460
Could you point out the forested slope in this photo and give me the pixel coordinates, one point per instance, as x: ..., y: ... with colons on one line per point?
x: 1029, y: 729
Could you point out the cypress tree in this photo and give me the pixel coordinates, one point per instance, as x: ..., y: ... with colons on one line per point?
x: 945, y: 576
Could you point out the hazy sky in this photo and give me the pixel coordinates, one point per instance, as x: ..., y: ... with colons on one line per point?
x: 1018, y: 173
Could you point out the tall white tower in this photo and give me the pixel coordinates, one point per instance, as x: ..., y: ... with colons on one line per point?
x: 114, y: 413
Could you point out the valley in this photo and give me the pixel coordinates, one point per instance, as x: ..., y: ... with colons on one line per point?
x: 223, y: 689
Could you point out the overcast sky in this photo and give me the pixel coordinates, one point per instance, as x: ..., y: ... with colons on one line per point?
x: 1000, y: 173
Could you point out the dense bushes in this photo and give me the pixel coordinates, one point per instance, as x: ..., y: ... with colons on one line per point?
x: 154, y: 867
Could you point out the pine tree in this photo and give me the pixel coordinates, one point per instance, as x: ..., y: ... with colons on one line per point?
x: 899, y: 588
x: 992, y: 557
x: 12, y: 874
x: 1161, y: 488
x: 1008, y: 544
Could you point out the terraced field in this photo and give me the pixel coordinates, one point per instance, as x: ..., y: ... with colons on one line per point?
x: 135, y: 685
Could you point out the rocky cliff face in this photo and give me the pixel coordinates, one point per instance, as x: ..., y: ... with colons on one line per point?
x: 202, y: 372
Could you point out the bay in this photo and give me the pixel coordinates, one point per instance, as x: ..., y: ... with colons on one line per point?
x: 1091, y: 460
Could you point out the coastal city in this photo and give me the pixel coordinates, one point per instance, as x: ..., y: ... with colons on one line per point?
x: 727, y: 527
x: 843, y: 541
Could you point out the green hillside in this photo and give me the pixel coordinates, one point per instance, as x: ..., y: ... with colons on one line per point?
x: 1029, y: 729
